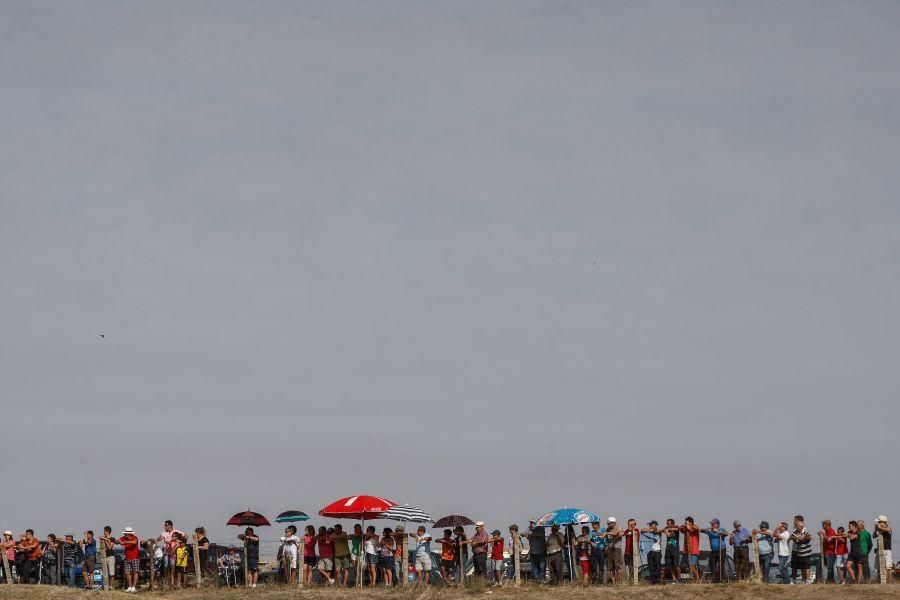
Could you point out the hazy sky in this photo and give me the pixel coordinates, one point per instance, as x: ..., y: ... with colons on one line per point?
x: 484, y: 257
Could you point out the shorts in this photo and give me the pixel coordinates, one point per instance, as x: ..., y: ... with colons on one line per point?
x: 855, y: 557
x: 312, y: 561
x: 497, y: 564
x: 448, y: 565
x: 840, y: 560
x: 133, y: 566
x: 585, y: 567
x: 342, y: 561
x: 799, y: 562
x: 111, y: 565
x: 372, y: 559
x: 182, y: 570
x: 326, y: 564
x: 387, y: 562
x: 290, y: 561
x: 693, y: 559
x: 613, y: 559
x: 889, y: 559
x: 671, y: 558
x: 89, y: 564
x: 253, y: 563
x: 423, y: 563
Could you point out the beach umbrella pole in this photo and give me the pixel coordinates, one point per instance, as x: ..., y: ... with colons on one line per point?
x: 359, y: 557
x: 404, y: 558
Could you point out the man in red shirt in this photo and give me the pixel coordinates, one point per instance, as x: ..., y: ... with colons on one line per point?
x: 840, y: 553
x: 132, y: 558
x: 828, y: 543
x: 692, y: 545
x: 630, y: 563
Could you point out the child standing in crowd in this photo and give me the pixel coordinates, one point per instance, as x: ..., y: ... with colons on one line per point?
x: 423, y: 555
x: 181, y: 560
x: 496, y: 542
x: 386, y: 548
x: 448, y: 555
x: 309, y: 554
x: 840, y: 553
x: 583, y: 548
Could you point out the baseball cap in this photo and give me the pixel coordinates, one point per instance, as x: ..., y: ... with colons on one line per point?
x: 479, y: 523
x: 714, y: 522
x: 764, y: 525
x: 611, y: 520
x: 651, y: 523
x: 737, y: 523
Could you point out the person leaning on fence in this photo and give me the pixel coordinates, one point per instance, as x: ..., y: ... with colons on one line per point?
x: 31, y: 551
x: 51, y: 559
x: 691, y: 533
x: 829, y: 542
x: 251, y: 545
x: 89, y: 551
x: 132, y: 566
x: 555, y: 545
x: 740, y: 541
x: 765, y: 548
x: 716, y: 535
x: 883, y: 529
x: 496, y: 544
x: 386, y: 549
x: 8, y: 545
x: 423, y: 555
x: 651, y: 545
x: 109, y: 547
x: 673, y: 565
x: 840, y: 554
x: 583, y: 552
x: 537, y: 551
x: 802, y: 550
x: 479, y: 543
x: 290, y: 547
x: 865, y: 541
x: 325, y: 563
x: 613, y: 536
x: 598, y: 551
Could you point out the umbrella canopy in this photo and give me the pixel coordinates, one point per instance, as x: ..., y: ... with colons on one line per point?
x: 292, y: 516
x: 566, y: 516
x: 248, y: 519
x: 407, y: 513
x: 357, y: 507
x: 452, y: 521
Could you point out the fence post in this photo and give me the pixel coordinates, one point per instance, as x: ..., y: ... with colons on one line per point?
x: 517, y: 555
x: 635, y: 554
x: 301, y: 559
x: 754, y: 555
x: 103, y: 569
x: 882, y: 567
x: 404, y: 560
x: 60, y: 559
x: 6, y: 572
x: 246, y: 570
x: 196, y: 553
x: 151, y: 558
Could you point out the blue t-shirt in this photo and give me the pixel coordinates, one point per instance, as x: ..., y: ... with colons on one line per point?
x: 423, y: 545
x: 90, y: 549
x: 715, y: 539
x: 598, y: 539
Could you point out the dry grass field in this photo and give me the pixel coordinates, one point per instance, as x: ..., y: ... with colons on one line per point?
x: 682, y: 592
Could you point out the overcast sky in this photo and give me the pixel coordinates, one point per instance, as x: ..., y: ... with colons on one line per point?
x: 488, y: 258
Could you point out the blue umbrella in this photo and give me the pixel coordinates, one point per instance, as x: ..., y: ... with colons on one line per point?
x: 292, y: 516
x: 566, y: 516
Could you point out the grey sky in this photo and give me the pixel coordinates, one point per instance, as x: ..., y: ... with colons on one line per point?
x: 451, y: 253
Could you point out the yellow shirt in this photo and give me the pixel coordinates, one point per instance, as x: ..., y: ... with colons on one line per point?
x: 181, y: 558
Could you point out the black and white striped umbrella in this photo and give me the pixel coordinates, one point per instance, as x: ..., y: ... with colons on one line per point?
x: 407, y: 513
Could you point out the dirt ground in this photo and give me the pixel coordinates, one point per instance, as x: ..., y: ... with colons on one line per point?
x: 625, y: 592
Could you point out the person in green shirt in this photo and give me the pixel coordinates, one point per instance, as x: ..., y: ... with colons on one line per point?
x: 341, y: 543
x: 865, y: 543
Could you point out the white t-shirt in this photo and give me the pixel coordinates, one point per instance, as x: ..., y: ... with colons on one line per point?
x: 291, y: 545
x: 783, y: 543
x: 370, y: 545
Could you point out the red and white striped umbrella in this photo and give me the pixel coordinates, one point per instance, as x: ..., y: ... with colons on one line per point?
x: 359, y: 508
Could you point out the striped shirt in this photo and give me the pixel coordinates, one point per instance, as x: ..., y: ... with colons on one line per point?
x: 803, y: 548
